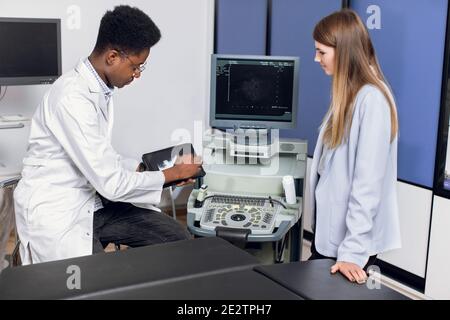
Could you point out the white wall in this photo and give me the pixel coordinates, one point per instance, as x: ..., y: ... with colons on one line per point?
x: 167, y: 105
x: 438, y: 282
x: 415, y: 209
x: 166, y: 101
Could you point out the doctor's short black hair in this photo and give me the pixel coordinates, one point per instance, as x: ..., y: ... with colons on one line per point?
x: 128, y: 29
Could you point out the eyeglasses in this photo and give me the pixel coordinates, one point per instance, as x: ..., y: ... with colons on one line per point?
x: 140, y: 67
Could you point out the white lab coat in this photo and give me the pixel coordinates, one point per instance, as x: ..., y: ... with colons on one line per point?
x: 69, y: 158
x: 356, y: 196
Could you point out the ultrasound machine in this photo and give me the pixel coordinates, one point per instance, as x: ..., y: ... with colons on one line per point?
x: 252, y: 193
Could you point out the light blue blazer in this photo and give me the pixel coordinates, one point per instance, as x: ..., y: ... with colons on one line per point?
x: 356, y: 195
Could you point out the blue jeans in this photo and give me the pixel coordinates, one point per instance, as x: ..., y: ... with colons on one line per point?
x: 123, y: 223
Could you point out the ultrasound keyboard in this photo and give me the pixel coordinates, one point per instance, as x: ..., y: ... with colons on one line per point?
x: 231, y: 211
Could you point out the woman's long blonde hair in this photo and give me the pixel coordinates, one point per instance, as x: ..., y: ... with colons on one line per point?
x: 355, y: 66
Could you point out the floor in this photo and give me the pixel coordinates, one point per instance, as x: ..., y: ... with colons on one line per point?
x: 181, y: 217
x: 10, y: 244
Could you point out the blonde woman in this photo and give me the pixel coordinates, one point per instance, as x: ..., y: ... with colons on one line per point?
x: 354, y: 169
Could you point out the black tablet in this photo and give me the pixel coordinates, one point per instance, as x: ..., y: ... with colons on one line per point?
x: 165, y: 158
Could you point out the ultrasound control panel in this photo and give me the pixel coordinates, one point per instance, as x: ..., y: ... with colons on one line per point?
x: 254, y: 213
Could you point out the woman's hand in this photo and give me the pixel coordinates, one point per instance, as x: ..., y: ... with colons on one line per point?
x: 351, y: 271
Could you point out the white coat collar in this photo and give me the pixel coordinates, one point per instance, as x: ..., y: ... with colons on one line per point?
x: 83, y: 70
x: 94, y: 86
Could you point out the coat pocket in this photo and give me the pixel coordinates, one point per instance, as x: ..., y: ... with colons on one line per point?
x: 338, y: 226
x: 49, y: 207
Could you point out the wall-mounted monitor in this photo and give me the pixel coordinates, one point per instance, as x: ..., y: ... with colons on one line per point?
x: 30, y: 51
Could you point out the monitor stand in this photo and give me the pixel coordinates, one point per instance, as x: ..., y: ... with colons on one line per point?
x: 12, y: 121
x: 11, y: 125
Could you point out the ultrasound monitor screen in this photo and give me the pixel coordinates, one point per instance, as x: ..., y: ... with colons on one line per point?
x: 254, y: 89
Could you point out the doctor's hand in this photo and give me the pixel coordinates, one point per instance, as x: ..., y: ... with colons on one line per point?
x: 188, y: 159
x: 185, y: 167
x: 185, y: 183
x: 140, y: 167
x: 351, y: 271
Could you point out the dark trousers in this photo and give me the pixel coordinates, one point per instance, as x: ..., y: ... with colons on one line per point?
x: 123, y: 223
